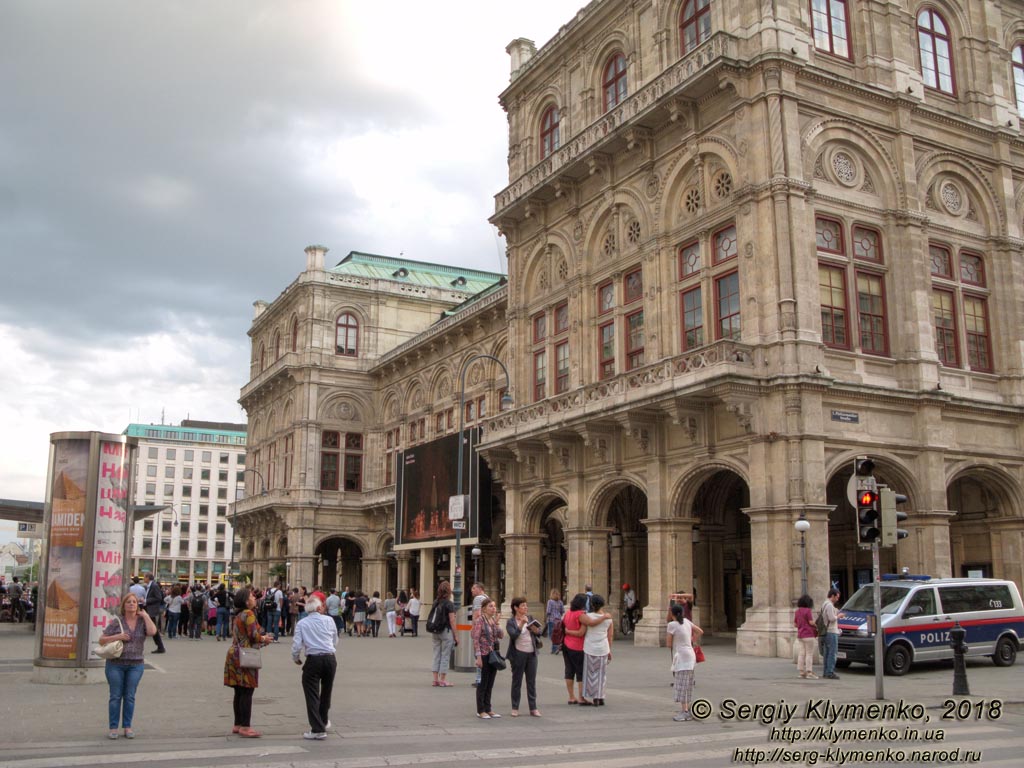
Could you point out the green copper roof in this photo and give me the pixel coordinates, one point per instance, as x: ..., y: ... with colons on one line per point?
x: 185, y: 434
x: 371, y: 266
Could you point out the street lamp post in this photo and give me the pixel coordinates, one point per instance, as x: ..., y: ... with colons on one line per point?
x: 476, y: 552
x: 234, y: 518
x: 506, y: 401
x: 287, y: 573
x: 803, y: 526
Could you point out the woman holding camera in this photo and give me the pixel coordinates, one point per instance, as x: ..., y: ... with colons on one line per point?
x: 523, y: 644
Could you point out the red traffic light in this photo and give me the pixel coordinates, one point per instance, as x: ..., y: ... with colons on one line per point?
x: 867, y: 498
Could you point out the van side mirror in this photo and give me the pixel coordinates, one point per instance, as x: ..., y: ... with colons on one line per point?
x: 913, y: 610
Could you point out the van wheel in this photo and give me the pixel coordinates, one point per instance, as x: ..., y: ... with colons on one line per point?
x: 897, y: 660
x: 1006, y: 653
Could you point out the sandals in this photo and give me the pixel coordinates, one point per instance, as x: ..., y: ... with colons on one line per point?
x: 483, y: 715
x: 514, y: 713
x: 573, y: 701
x: 535, y: 713
x: 445, y: 684
x: 585, y: 703
x: 249, y: 733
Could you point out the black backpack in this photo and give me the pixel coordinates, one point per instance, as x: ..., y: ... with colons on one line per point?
x: 269, y: 603
x: 437, y: 622
x: 196, y: 604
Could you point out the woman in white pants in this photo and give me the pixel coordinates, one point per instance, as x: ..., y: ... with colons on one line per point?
x: 389, y: 613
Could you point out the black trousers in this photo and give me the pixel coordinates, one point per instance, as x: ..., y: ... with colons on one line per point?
x: 154, y: 614
x: 524, y: 663
x: 243, y: 706
x: 317, y: 683
x: 483, y: 690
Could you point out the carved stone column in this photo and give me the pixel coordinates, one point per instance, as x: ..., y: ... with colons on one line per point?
x: 522, y: 567
x: 404, y: 561
x: 587, y: 559
x: 669, y: 569
x: 374, y: 575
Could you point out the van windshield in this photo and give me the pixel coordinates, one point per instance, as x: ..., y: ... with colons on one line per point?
x: 863, y: 600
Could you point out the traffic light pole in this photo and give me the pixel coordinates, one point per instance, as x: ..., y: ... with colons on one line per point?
x: 879, y: 640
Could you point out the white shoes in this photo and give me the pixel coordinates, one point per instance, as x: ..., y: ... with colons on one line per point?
x: 311, y: 736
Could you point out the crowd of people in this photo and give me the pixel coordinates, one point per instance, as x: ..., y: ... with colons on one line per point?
x: 18, y: 600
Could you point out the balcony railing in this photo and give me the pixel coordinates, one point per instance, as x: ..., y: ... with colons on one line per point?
x: 643, y: 384
x: 676, y: 79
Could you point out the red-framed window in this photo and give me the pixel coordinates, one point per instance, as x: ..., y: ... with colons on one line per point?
x: 613, y: 81
x: 439, y: 423
x: 689, y: 260
x: 561, y: 367
x: 481, y: 407
x: 540, y: 327
x: 470, y: 413
x: 979, y: 343
x: 295, y: 334
x: 634, y: 340
x: 944, y: 319
x: 633, y: 286
x: 725, y: 244
x: 831, y: 25
x: 341, y: 451
x: 832, y: 296
x: 874, y: 336
x: 941, y: 261
x: 606, y: 350
x: 346, y: 337
x: 449, y: 418
x: 691, y: 307
x: 549, y: 132
x: 934, y: 46
x: 867, y: 244
x: 727, y: 306
x: 605, y: 298
x: 828, y: 235
x: 540, y: 375
x: 694, y: 24
x: 1018, y: 77
x: 561, y: 318
x: 972, y: 269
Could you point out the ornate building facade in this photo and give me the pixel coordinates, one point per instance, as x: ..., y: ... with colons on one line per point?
x: 747, y: 242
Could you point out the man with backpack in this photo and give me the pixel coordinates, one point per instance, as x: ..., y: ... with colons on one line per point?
x: 275, y: 601
x: 196, y: 612
x: 154, y: 605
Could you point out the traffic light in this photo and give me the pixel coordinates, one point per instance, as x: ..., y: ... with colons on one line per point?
x: 892, y: 517
x: 869, y: 522
x: 863, y: 466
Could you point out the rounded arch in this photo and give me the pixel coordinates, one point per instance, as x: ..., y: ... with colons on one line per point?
x: 997, y: 481
x: 382, y: 544
x: 933, y: 168
x: 441, y: 385
x: 686, y: 490
x: 281, y: 550
x: 892, y: 471
x: 611, y: 220
x: 614, y: 42
x: 293, y: 334
x: 324, y: 538
x: 861, y: 143
x: 391, y: 405
x: 539, y: 506
x: 416, y: 397
x: 677, y: 180
x: 598, y: 505
x: 539, y: 274
x: 959, y: 22
x: 287, y: 414
x: 342, y: 408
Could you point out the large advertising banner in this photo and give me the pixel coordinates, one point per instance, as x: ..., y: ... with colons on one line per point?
x: 426, y: 478
x: 66, y: 544
x: 110, y: 528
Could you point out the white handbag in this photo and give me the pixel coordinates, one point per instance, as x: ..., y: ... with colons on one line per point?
x: 110, y: 650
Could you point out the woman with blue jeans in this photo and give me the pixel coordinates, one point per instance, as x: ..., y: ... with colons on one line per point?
x: 124, y: 672
x: 221, y: 599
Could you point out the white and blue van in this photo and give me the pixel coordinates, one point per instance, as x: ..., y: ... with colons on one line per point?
x: 918, y: 613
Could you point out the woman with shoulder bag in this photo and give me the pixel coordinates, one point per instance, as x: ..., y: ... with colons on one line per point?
x: 681, y: 636
x: 486, y: 634
x: 806, y: 633
x: 444, y: 640
x: 131, y: 628
x: 523, y: 645
x: 375, y: 614
x: 245, y: 633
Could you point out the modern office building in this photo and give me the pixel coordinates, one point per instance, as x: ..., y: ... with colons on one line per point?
x: 196, y: 469
x: 747, y: 243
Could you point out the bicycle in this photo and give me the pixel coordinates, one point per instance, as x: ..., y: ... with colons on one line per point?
x: 630, y: 618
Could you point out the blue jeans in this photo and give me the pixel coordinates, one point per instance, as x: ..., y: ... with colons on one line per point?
x: 274, y: 620
x: 222, y: 621
x: 831, y: 648
x: 551, y: 628
x: 123, y: 680
x: 172, y: 624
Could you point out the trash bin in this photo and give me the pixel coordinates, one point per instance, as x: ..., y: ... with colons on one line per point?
x: 465, y: 659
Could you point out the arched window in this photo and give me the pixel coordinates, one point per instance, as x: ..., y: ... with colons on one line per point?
x: 295, y: 334
x: 934, y: 45
x: 1018, y: 77
x: 694, y: 24
x: 549, y: 132
x: 263, y: 357
x: 346, y: 337
x: 613, y: 82
x: 277, y: 345
x: 831, y: 26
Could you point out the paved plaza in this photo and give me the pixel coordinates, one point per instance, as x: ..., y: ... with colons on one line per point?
x: 386, y: 713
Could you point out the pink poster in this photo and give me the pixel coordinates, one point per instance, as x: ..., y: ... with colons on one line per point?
x: 109, y: 541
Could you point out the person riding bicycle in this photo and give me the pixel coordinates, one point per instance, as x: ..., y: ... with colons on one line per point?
x: 630, y: 603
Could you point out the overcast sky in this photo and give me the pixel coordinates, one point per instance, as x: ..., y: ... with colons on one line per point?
x: 164, y: 164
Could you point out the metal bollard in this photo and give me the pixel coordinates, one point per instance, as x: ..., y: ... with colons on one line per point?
x: 956, y: 642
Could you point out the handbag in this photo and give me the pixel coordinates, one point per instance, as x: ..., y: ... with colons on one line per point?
x: 699, y: 653
x: 494, y: 659
x: 110, y: 650
x: 558, y: 633
x: 250, y: 658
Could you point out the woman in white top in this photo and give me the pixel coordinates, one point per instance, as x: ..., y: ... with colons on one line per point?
x: 682, y: 634
x: 173, y: 602
x: 597, y: 650
x: 414, y: 611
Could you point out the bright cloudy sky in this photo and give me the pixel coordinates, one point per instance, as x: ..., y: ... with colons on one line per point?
x: 164, y: 164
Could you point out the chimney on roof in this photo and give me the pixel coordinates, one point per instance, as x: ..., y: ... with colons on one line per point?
x: 260, y: 306
x: 521, y: 50
x: 315, y: 257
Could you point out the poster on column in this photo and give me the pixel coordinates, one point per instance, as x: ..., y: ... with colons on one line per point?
x: 427, y: 477
x: 109, y: 541
x: 66, y: 544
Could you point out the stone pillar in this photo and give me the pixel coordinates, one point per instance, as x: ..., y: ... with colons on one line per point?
x: 374, y: 575
x: 927, y: 548
x: 587, y: 559
x: 1007, y: 550
x: 426, y: 585
x: 669, y: 569
x: 404, y: 562
x: 522, y: 567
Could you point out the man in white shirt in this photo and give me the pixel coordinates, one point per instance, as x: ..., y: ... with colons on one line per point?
x: 831, y: 615
x: 334, y: 610
x: 275, y: 615
x: 138, y: 590
x: 317, y: 634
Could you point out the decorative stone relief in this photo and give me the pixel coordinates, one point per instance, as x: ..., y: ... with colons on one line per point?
x: 651, y: 186
x: 563, y: 270
x: 844, y: 168
x: 342, y: 411
x: 819, y: 169
x: 952, y: 198
x: 542, y: 280
x: 868, y: 185
x: 633, y: 232
x: 608, y: 248
x: 577, y: 230
x: 692, y: 200
x: 722, y: 184
x: 743, y: 414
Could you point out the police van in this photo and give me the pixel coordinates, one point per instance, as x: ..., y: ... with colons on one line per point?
x: 918, y: 613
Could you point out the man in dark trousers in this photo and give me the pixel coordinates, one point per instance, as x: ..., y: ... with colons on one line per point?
x: 317, y: 634
x: 154, y: 607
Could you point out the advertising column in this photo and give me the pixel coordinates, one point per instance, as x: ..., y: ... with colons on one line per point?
x: 87, y: 514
